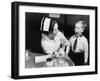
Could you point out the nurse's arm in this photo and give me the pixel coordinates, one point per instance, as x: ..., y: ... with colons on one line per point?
x: 67, y: 44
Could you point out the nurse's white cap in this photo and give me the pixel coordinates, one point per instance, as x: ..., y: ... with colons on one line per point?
x: 45, y: 24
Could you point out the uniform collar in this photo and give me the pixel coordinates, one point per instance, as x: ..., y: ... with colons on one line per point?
x: 78, y: 36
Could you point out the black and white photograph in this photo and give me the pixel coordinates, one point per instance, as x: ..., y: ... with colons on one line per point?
x: 56, y: 40
x: 53, y: 40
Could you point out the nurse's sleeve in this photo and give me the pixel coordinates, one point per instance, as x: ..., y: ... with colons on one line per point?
x: 66, y: 42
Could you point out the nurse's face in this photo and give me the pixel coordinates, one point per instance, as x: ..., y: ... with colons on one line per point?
x: 55, y: 30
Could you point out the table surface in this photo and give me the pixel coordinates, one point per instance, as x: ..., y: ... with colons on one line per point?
x: 30, y: 61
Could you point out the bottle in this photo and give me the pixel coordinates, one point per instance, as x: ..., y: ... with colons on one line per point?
x: 49, y: 62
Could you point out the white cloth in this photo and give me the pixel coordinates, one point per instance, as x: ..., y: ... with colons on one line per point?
x: 50, y: 46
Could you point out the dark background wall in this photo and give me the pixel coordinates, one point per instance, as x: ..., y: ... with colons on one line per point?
x: 70, y: 21
x: 66, y: 24
x: 33, y: 35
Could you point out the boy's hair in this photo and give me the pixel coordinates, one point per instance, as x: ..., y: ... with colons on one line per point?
x: 84, y: 24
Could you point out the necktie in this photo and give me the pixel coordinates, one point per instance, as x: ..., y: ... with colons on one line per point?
x: 75, y: 44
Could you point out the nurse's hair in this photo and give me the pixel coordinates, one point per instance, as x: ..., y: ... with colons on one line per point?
x: 84, y: 24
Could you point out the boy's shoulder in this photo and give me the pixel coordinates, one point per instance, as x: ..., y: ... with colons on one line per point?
x: 73, y: 36
x: 84, y: 38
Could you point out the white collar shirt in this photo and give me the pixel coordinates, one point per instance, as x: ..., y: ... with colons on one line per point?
x: 82, y: 44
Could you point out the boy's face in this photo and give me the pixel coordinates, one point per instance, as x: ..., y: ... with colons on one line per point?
x: 78, y: 29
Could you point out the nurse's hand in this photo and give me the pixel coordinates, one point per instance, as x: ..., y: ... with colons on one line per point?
x: 66, y: 57
x: 53, y: 55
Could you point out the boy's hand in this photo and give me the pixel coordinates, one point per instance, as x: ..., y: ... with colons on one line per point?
x: 86, y: 60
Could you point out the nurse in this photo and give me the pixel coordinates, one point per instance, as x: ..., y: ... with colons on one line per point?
x: 53, y: 42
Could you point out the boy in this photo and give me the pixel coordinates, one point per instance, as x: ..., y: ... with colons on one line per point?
x: 79, y: 44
